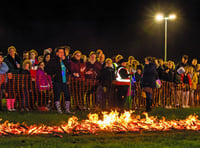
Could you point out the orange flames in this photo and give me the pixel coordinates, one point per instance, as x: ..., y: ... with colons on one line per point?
x: 110, y: 122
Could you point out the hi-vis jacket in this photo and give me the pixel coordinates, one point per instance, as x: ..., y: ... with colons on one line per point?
x: 122, y: 76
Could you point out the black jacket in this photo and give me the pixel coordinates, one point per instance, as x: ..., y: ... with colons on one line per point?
x: 12, y: 63
x: 107, y: 76
x: 53, y: 68
x: 150, y: 75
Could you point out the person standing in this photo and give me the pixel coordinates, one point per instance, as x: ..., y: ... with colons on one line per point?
x: 59, y: 69
x: 107, y: 77
x: 13, y: 60
x: 122, y: 83
x: 149, y: 80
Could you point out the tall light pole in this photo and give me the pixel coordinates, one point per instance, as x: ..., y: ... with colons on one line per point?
x: 160, y: 17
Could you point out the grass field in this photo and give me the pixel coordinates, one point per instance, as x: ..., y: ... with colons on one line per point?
x: 110, y: 140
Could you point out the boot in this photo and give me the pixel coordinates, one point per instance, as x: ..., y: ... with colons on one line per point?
x: 13, y: 104
x: 67, y: 107
x: 9, y: 104
x: 57, y: 103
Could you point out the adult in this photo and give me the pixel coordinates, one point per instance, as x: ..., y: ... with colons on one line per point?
x: 177, y: 78
x: 93, y: 68
x: 77, y: 66
x: 117, y: 59
x: 13, y: 60
x: 149, y: 80
x: 122, y: 82
x: 59, y: 69
x: 107, y: 77
x: 194, y: 63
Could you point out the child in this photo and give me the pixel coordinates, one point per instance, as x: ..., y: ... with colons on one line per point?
x: 26, y: 85
x: 43, y: 82
x: 186, y: 85
x: 10, y: 93
x: 3, y: 69
x: 194, y: 80
x: 107, y: 77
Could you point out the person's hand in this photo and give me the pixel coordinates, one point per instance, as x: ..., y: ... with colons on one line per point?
x: 6, y: 95
x: 89, y: 72
x: 83, y: 69
x: 63, y: 58
x: 18, y: 65
x: 76, y: 74
x: 167, y: 70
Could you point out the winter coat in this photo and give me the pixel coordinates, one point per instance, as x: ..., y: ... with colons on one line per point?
x: 169, y: 77
x: 186, y: 81
x: 12, y: 64
x: 43, y: 81
x: 3, y: 69
x: 76, y: 67
x: 138, y: 77
x: 33, y: 69
x: 25, y: 78
x: 194, y: 80
x: 53, y: 68
x: 107, y: 76
x: 150, y: 75
x: 95, y: 68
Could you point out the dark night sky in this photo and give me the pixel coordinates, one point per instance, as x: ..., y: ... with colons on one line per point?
x: 126, y: 27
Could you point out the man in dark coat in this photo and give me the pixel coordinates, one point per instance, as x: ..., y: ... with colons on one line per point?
x: 59, y: 69
x: 149, y: 80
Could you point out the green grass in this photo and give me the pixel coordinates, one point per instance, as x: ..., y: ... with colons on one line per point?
x: 109, y: 140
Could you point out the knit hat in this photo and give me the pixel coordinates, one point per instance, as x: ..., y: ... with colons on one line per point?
x: 121, y: 61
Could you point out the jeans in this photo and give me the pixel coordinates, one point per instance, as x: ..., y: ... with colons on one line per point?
x: 149, y: 101
x: 25, y: 99
x: 61, y: 87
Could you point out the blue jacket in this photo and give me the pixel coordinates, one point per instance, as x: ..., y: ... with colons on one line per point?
x: 3, y: 68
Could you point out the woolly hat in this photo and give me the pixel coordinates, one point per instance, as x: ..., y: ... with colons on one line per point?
x: 121, y: 61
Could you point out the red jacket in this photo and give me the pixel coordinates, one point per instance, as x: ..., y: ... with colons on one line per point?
x: 33, y: 69
x: 186, y: 81
x: 78, y: 67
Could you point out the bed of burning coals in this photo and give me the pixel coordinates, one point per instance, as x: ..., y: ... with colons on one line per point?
x: 113, y: 121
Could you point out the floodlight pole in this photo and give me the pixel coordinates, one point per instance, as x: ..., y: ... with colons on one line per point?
x: 165, y: 56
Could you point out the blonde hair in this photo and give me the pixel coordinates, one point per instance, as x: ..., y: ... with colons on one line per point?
x: 26, y: 62
x: 92, y: 52
x: 130, y: 58
x: 108, y: 59
x: 12, y: 47
x: 118, y: 57
x: 33, y: 50
x: 75, y: 52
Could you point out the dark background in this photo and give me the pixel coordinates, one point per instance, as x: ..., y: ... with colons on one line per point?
x: 126, y: 27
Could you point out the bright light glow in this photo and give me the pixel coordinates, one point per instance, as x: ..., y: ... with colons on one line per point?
x: 172, y: 16
x: 159, y: 17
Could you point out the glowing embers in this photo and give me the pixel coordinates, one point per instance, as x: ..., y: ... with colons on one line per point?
x: 105, y: 122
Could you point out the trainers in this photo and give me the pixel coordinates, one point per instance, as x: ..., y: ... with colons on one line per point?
x: 13, y: 109
x: 10, y: 110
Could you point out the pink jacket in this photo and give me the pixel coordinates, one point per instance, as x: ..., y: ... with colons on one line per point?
x: 43, y: 81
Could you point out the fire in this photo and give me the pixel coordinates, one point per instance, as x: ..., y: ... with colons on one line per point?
x: 109, y: 121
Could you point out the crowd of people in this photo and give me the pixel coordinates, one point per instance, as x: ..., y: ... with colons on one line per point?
x: 51, y: 71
